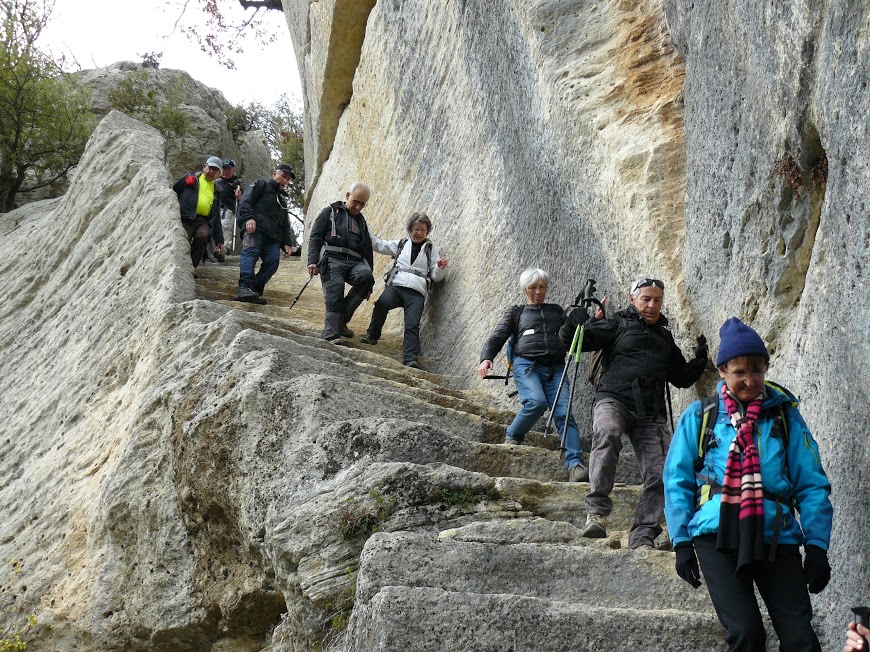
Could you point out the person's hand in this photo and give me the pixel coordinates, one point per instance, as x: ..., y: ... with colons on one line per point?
x: 484, y: 368
x: 219, y: 248
x: 687, y: 564
x: 577, y: 316
x: 238, y: 191
x: 854, y: 638
x: 599, y: 311
x: 701, y: 350
x: 442, y: 262
x: 287, y: 250
x: 313, y: 271
x: 250, y: 226
x: 817, y: 570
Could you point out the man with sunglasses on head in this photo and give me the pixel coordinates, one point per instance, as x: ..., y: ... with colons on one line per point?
x: 639, y: 358
x: 266, y: 232
x: 340, y: 251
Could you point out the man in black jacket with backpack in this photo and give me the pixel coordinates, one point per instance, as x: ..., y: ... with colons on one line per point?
x: 639, y: 358
x: 340, y: 250
x: 263, y: 216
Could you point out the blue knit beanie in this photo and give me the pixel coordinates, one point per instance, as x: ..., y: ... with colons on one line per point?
x: 737, y: 339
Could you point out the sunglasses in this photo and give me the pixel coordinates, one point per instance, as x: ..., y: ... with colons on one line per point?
x: 647, y: 282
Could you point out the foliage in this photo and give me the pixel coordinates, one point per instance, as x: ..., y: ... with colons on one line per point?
x: 220, y: 29
x: 45, y: 120
x: 361, y: 520
x: 283, y: 126
x: 15, y: 621
x: 464, y: 495
x: 137, y: 96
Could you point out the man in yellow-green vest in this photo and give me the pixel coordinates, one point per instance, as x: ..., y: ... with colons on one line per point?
x: 200, y: 209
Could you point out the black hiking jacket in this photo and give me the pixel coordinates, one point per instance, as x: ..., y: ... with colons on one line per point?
x: 541, y: 333
x: 261, y: 203
x: 639, y: 362
x: 321, y: 234
x: 188, y: 197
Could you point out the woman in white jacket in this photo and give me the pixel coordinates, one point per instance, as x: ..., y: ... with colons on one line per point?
x: 416, y: 264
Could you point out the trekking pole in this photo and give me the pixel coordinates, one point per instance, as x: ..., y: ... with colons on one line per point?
x: 564, y: 438
x: 300, y: 293
x: 578, y: 334
x: 587, y: 292
x: 670, y: 405
x: 862, y: 617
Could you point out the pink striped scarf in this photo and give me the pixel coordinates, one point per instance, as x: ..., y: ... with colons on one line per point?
x: 741, y: 514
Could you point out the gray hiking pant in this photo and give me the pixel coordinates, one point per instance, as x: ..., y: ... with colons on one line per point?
x: 395, y: 296
x: 340, y: 308
x: 650, y: 438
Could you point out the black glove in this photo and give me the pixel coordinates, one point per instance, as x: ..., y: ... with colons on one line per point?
x: 817, y: 570
x: 701, y: 351
x: 687, y: 564
x: 577, y: 316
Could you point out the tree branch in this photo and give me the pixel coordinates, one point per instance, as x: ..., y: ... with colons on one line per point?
x: 261, y: 4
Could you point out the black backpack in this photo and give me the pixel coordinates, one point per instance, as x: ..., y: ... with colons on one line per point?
x: 598, y: 360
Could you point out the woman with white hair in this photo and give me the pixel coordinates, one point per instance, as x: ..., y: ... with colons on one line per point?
x: 543, y: 334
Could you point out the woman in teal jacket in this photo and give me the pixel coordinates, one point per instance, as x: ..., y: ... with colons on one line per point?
x: 733, y: 495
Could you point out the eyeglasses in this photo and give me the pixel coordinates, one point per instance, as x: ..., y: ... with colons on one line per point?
x: 647, y: 282
x: 740, y: 376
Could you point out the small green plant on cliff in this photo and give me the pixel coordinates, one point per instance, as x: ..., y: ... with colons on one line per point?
x: 137, y: 96
x: 361, y: 520
x: 456, y: 496
x: 15, y: 621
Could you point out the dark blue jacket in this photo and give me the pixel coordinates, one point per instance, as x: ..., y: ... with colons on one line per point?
x: 264, y: 203
x: 188, y: 197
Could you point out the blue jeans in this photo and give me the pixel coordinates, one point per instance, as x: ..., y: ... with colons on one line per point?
x: 537, y: 385
x: 257, y: 246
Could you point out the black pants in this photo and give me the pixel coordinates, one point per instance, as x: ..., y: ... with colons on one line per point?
x: 782, y: 586
x: 198, y: 232
x: 340, y: 308
x: 412, y: 301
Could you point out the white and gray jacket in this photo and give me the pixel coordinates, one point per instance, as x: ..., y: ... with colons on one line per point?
x: 409, y: 279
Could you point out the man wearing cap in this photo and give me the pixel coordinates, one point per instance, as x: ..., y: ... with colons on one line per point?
x: 340, y: 250
x: 230, y: 188
x: 741, y: 468
x: 639, y: 358
x: 266, y: 232
x: 199, y: 204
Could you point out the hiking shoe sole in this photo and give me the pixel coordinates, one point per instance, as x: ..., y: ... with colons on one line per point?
x: 365, y: 339
x: 594, y: 531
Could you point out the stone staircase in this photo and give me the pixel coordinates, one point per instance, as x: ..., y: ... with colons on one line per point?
x: 450, y: 540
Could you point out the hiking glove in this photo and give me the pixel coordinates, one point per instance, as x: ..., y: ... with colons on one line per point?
x: 687, y: 564
x: 577, y: 316
x: 701, y: 350
x: 817, y: 571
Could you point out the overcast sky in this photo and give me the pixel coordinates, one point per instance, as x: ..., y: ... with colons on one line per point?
x: 100, y: 32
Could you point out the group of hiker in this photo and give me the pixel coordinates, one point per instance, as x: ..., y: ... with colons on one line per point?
x: 730, y: 481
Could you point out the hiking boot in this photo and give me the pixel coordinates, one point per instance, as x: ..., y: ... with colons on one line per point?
x: 412, y: 363
x: 247, y: 295
x: 220, y: 258
x: 346, y: 332
x: 512, y: 442
x: 365, y: 339
x: 596, y: 526
x: 643, y: 546
x: 578, y: 473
